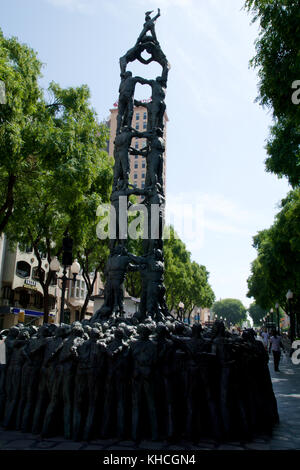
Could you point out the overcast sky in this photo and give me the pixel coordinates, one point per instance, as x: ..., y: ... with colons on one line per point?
x: 216, y: 132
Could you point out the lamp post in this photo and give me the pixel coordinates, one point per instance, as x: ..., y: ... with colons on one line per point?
x: 67, y: 261
x: 180, y: 310
x: 289, y: 296
x: 278, y: 319
x: 272, y: 318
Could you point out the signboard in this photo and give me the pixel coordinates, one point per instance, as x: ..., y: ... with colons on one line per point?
x: 29, y: 284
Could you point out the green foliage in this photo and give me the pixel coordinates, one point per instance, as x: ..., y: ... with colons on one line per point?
x: 20, y: 71
x: 54, y: 170
x: 256, y: 313
x: 185, y: 280
x: 231, y: 309
x: 278, y: 62
x: 276, y: 268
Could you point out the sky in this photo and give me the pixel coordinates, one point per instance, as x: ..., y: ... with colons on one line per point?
x: 218, y: 193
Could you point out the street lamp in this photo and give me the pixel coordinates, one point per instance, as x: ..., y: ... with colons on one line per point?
x: 278, y: 319
x: 289, y: 296
x: 67, y: 261
x: 272, y: 319
x: 180, y: 308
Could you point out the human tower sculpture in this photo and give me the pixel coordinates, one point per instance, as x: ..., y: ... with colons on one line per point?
x: 151, y: 264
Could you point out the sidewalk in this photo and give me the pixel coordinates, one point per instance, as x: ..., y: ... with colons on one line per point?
x: 286, y: 436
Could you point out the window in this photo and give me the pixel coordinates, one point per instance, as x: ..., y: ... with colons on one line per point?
x: 143, y: 175
x: 35, y: 274
x: 137, y: 126
x: 53, y: 280
x: 135, y: 176
x: 137, y: 116
x: 145, y: 115
x: 135, y: 185
x: 136, y: 145
x: 144, y: 125
x: 143, y: 184
x: 136, y: 156
x: 143, y: 165
x: 136, y: 165
x: 23, y: 269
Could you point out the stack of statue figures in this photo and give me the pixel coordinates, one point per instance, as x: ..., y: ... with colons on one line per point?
x: 129, y: 380
x: 151, y: 264
x: 148, y: 376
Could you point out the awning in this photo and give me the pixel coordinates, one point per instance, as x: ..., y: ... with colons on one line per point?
x: 31, y: 313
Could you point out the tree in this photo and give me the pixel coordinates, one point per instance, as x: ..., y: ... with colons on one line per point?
x: 185, y: 280
x: 67, y: 176
x: 256, y: 313
x: 276, y: 268
x: 231, y: 309
x: 278, y: 62
x: 19, y: 70
x: 278, y: 260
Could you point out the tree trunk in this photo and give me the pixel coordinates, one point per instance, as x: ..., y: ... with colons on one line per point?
x: 85, y: 304
x: 7, y: 207
x: 46, y: 304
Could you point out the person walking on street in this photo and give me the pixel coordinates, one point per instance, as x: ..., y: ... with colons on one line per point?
x: 276, y: 344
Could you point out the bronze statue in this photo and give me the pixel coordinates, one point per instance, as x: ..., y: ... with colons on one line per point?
x: 149, y: 26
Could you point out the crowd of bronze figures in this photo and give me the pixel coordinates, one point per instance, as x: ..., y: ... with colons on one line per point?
x: 133, y: 381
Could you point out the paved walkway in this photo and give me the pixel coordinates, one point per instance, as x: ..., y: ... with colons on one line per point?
x: 286, y: 436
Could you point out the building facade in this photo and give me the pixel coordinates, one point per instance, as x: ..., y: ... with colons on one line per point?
x: 21, y: 294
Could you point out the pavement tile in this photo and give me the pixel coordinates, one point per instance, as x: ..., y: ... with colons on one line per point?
x: 46, y: 444
x: 151, y: 445
x: 206, y: 445
x: 177, y: 448
x: 257, y: 446
x: 69, y: 445
x: 3, y: 443
x: 119, y: 448
x: 127, y: 443
x: 19, y: 444
x: 92, y: 447
x: 105, y: 442
x: 280, y: 446
x: 229, y: 447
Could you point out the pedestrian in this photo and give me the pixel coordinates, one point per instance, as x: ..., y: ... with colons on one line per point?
x: 276, y: 345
